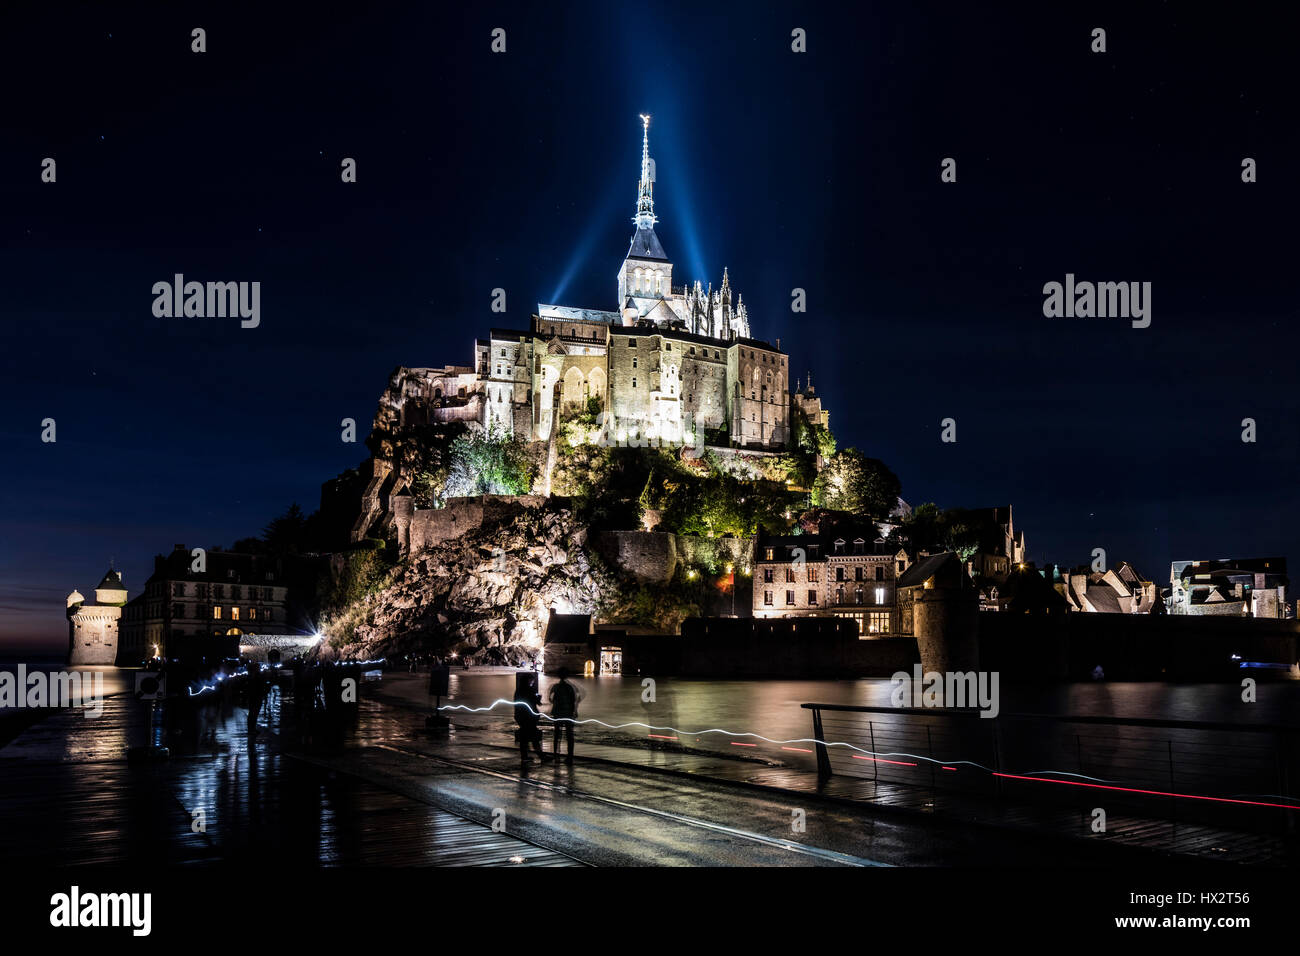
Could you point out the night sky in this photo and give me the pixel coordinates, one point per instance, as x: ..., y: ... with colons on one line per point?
x: 478, y: 171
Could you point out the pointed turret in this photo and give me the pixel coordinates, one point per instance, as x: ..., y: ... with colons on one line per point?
x: 645, y: 217
x: 646, y: 276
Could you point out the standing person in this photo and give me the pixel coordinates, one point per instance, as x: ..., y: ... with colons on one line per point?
x: 527, y: 702
x: 256, y: 695
x: 564, y: 704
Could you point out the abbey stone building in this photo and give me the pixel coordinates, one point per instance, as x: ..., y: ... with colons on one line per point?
x: 669, y: 363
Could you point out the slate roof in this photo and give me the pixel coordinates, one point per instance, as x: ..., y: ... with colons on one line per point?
x: 645, y: 245
x: 923, y: 570
x: 568, y: 628
x: 112, y: 581
x: 546, y: 310
x: 1104, y: 599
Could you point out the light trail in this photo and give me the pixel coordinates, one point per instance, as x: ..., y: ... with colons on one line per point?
x: 712, y: 730
x: 1096, y: 783
x: 1153, y: 793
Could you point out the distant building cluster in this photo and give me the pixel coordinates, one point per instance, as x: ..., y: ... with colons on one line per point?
x: 856, y: 575
x: 1235, y: 587
x: 1118, y: 590
x: 238, y: 597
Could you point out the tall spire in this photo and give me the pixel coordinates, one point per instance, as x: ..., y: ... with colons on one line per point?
x: 645, y: 202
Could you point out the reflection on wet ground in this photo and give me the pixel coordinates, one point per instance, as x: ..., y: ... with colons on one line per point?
x: 375, y: 788
x: 69, y: 795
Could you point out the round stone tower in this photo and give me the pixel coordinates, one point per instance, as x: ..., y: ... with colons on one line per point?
x: 92, y: 628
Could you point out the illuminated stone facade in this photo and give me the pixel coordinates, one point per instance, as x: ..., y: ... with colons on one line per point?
x: 667, y: 364
x: 93, y: 628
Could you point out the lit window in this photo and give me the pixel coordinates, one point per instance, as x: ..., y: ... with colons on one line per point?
x: 880, y: 595
x: 216, y: 613
x: 234, y: 614
x: 768, y: 553
x: 252, y: 614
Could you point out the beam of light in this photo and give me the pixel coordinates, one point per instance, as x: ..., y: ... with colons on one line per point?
x: 1153, y: 793
x: 901, y: 763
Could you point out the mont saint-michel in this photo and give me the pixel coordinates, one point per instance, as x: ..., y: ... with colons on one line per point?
x: 561, y: 437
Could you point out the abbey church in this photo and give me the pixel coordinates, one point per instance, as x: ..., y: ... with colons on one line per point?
x: 670, y: 364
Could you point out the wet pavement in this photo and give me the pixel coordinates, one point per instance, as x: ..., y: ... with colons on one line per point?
x: 391, y: 793
x: 69, y: 795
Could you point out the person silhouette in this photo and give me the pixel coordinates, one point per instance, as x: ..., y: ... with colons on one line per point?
x: 564, y: 711
x: 527, y: 715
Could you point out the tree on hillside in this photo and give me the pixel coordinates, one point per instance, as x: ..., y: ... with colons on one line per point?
x: 857, y: 484
x: 494, y: 463
x: 287, y: 534
x: 812, y: 438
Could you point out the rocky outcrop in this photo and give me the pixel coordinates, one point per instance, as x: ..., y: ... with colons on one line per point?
x: 485, y: 594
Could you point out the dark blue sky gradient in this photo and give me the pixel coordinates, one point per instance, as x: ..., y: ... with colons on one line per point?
x: 518, y: 171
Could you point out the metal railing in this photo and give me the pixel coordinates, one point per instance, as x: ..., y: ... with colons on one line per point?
x: 1181, y: 770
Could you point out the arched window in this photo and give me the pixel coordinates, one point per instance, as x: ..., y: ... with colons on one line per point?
x: 596, y: 384
x: 573, y: 387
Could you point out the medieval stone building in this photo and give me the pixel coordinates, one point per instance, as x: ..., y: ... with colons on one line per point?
x: 93, y: 627
x: 669, y: 363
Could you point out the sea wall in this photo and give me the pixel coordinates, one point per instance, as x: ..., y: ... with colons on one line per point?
x: 1068, y: 647
x: 776, y: 648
